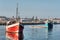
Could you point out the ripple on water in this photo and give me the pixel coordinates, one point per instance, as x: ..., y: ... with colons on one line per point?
x: 34, y: 33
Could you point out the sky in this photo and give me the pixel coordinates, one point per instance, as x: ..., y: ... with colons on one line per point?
x: 30, y: 8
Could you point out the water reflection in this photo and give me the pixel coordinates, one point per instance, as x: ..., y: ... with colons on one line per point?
x: 50, y: 29
x: 36, y: 33
x: 31, y: 34
x: 21, y: 36
x: 14, y: 36
x: 50, y: 33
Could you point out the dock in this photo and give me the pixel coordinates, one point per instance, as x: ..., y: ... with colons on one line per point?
x: 32, y: 23
x: 28, y: 21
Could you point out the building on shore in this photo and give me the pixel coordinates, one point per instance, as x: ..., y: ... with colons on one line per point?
x: 3, y: 19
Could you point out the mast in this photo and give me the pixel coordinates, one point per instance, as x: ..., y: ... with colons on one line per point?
x: 17, y: 12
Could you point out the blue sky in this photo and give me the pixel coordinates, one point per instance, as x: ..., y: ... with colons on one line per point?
x: 29, y: 8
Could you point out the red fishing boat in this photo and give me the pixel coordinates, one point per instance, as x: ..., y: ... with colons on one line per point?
x: 14, y: 30
x: 15, y: 27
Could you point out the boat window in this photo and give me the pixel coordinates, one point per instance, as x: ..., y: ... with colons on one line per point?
x: 11, y: 22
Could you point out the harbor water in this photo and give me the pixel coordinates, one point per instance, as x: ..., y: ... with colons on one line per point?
x: 34, y: 32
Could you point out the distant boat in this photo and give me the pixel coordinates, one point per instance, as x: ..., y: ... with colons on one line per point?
x: 49, y: 24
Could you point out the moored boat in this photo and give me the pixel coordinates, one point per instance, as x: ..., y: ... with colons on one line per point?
x: 49, y: 24
x: 14, y: 28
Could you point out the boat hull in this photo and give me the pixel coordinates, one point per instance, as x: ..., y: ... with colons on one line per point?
x: 13, y: 28
x: 14, y: 31
x: 50, y: 25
